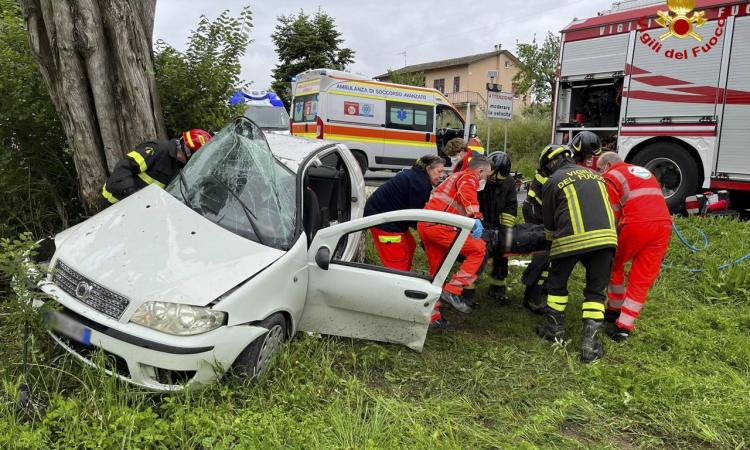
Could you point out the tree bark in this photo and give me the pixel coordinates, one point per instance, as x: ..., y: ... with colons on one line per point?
x: 97, y: 60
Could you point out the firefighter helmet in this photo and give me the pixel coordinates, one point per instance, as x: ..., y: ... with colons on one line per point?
x: 551, y: 153
x: 500, y: 162
x: 194, y: 139
x: 585, y: 144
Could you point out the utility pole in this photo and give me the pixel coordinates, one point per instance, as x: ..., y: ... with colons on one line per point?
x: 404, y: 55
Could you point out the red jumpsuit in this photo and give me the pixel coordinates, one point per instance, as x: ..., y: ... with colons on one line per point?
x: 644, y: 228
x: 457, y: 195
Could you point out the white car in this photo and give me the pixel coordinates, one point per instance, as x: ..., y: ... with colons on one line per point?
x: 253, y: 242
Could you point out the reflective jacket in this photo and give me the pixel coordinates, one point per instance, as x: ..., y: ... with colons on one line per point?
x: 409, y: 189
x: 577, y: 215
x: 457, y: 195
x: 532, y: 206
x: 635, y: 194
x: 498, y: 202
x: 152, y: 162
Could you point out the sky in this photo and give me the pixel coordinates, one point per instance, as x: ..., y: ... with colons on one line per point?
x: 380, y: 31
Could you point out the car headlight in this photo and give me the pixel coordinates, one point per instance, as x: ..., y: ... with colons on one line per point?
x: 178, y: 319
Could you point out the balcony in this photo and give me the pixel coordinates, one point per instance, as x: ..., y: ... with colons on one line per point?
x: 462, y: 98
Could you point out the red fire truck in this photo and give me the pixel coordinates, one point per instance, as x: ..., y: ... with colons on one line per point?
x: 667, y: 85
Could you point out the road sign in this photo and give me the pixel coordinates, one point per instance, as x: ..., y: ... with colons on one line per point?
x: 499, y: 105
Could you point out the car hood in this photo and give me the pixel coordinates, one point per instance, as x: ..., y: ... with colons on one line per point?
x: 151, y: 247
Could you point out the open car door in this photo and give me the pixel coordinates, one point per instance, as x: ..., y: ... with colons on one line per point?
x: 366, y: 301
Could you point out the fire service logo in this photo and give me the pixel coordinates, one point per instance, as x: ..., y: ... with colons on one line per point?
x: 680, y: 25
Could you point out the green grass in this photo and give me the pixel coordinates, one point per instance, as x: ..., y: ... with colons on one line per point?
x: 683, y: 381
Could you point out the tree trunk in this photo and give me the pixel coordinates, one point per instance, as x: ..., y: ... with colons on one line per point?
x: 97, y: 60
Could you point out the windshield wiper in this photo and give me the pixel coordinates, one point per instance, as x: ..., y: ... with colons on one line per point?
x: 250, y: 216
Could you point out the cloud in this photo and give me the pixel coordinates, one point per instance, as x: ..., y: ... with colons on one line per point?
x: 378, y: 31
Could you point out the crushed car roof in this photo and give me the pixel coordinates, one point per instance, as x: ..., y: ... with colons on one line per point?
x: 292, y: 150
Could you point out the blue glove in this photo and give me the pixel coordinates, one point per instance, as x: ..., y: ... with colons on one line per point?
x: 476, y: 232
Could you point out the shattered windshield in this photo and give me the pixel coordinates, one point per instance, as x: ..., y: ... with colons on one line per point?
x: 235, y: 182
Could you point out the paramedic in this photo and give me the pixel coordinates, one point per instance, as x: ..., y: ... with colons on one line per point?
x: 152, y: 162
x: 457, y: 195
x: 644, y: 227
x: 409, y: 189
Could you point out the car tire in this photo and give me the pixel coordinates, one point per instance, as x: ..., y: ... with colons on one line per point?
x: 676, y: 170
x: 255, y: 359
x: 361, y: 161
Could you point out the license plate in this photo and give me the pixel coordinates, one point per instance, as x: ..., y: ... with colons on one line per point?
x: 69, y: 327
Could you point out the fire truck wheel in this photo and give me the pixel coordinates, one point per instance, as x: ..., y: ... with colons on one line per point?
x: 361, y: 160
x: 675, y: 168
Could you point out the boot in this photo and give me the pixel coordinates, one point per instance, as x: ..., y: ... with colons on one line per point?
x: 440, y: 325
x: 469, y: 297
x: 616, y: 333
x: 591, y: 344
x: 554, y: 329
x: 499, y: 294
x: 534, y: 299
x: 455, y: 301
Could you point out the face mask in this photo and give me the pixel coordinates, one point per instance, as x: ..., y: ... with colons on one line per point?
x: 482, y: 184
x: 454, y: 160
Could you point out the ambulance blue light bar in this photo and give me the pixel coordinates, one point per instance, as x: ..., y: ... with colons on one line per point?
x: 258, y: 98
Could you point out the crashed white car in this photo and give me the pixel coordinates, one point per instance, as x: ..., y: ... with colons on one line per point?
x: 253, y: 242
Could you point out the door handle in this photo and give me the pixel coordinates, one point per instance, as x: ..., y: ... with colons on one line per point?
x: 419, y: 295
x: 427, y: 137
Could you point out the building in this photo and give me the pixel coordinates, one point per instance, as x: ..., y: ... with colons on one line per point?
x: 464, y: 80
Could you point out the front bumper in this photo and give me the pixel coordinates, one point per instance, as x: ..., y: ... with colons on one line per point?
x: 149, y: 358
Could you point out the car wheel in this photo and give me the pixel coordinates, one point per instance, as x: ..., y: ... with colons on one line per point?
x: 675, y: 169
x: 258, y: 356
x: 361, y: 161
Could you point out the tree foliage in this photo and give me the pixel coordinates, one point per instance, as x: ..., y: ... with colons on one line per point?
x: 407, y: 78
x: 195, y: 85
x: 303, y: 43
x: 37, y: 176
x: 538, y: 65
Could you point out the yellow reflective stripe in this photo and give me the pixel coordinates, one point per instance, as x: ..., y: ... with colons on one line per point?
x: 507, y: 220
x: 540, y: 178
x: 189, y: 139
x: 593, y: 305
x: 138, y: 159
x: 584, y: 236
x: 145, y: 177
x: 555, y: 152
x: 495, y: 282
x: 557, y: 302
x: 574, y: 209
x: 607, y: 206
x: 589, y: 243
x: 108, y: 195
x: 389, y: 239
x: 595, y: 315
x: 548, y: 234
x: 475, y: 148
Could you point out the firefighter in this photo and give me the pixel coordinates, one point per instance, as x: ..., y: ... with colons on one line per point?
x: 409, y: 189
x: 644, y: 227
x: 499, y: 207
x: 579, y: 221
x: 457, y: 195
x: 535, y: 274
x: 152, y: 162
x: 459, y: 153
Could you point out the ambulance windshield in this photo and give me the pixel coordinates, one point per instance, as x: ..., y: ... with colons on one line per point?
x: 237, y: 183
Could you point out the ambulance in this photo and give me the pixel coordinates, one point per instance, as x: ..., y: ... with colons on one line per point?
x: 385, y: 125
x: 667, y: 85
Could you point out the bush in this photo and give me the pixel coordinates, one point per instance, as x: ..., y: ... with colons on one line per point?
x: 528, y: 134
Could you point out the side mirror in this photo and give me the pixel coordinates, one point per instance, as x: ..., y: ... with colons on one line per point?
x: 473, y: 130
x: 323, y: 257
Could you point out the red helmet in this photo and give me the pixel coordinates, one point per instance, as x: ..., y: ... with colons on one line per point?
x: 195, y: 138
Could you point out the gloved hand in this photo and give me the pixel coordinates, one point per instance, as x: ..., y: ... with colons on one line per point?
x: 476, y: 232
